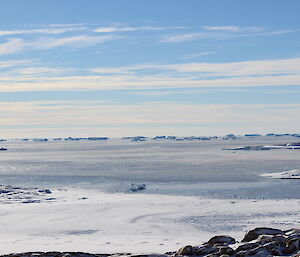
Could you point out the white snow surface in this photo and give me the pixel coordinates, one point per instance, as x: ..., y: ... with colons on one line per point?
x: 97, y: 222
x: 194, y: 190
x: 289, y: 174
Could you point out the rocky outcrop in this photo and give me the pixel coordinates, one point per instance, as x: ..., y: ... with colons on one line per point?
x: 261, y: 242
x: 223, y: 240
x: 255, y: 233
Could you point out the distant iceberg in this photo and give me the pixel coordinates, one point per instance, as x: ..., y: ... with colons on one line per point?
x: 289, y: 174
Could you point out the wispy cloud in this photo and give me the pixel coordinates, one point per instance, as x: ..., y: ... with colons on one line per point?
x: 211, y: 35
x: 53, y: 31
x: 250, y: 29
x: 16, y: 45
x: 179, y: 38
x: 125, y: 69
x: 75, y: 41
x: 196, y: 55
x: 12, y: 46
x: 222, y: 33
x: 233, y: 28
x: 146, y: 76
x: 226, y: 69
x: 35, y: 72
x: 280, y: 32
x: 246, y: 68
x: 65, y: 25
x: 128, y: 29
x: 13, y: 63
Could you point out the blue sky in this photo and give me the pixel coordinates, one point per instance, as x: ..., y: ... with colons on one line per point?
x: 126, y: 67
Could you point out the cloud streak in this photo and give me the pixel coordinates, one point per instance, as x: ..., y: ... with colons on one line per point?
x: 75, y: 41
x: 12, y: 46
x: 51, y: 31
x: 196, y: 55
x: 146, y: 76
x: 17, y: 45
x: 233, y: 28
x: 130, y: 29
x: 220, y: 33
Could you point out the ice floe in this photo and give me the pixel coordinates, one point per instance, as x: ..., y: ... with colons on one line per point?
x: 289, y: 174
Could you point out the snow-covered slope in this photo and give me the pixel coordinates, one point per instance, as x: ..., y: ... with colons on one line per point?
x: 91, y: 221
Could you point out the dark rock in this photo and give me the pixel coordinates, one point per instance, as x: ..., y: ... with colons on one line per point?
x: 247, y: 246
x: 136, y: 188
x: 255, y: 233
x: 297, y: 254
x: 224, y: 240
x: 292, y: 245
x: 54, y: 253
x: 225, y: 250
x: 170, y: 253
x: 46, y: 191
x: 186, y: 250
x: 263, y: 253
x: 272, y: 245
x: 261, y: 250
x: 279, y: 238
x: 205, y: 249
x: 292, y: 232
x: 275, y: 251
x: 262, y: 239
x: 241, y: 253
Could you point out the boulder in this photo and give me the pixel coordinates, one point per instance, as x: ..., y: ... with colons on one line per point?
x: 222, y: 240
x: 259, y: 249
x: 205, y: 249
x: 297, y: 254
x: 255, y: 233
x: 273, y: 246
x: 225, y: 250
x: 263, y: 253
x: 263, y: 239
x: 241, y: 253
x: 247, y: 246
x: 186, y: 250
x: 275, y: 252
x: 292, y: 245
x: 292, y: 232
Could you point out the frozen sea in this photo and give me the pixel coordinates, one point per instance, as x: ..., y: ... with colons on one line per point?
x: 194, y: 190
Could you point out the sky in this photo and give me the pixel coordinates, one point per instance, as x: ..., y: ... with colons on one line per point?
x: 139, y: 67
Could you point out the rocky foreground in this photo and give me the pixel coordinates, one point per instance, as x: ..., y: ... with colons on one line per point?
x: 260, y: 242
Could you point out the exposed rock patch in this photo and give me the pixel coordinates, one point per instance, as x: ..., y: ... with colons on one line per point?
x: 222, y: 240
x: 11, y: 194
x: 262, y: 242
x: 255, y: 233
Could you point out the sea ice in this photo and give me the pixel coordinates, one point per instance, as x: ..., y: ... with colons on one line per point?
x: 289, y: 174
